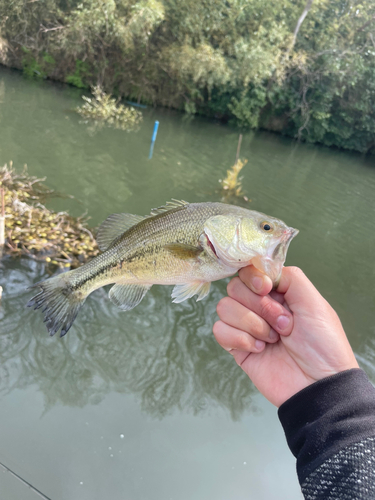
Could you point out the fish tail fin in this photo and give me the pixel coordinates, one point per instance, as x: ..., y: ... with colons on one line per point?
x: 59, y: 301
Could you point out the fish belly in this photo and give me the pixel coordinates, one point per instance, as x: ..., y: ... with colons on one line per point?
x: 167, y: 270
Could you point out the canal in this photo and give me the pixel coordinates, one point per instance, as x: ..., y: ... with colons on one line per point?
x: 145, y: 405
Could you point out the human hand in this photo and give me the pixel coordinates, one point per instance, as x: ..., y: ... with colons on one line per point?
x: 284, y: 340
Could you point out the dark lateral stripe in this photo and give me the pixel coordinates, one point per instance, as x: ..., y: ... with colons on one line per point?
x: 93, y: 276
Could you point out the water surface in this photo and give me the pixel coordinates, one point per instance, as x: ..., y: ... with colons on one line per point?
x: 145, y: 404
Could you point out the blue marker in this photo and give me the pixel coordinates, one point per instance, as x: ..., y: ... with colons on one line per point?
x: 154, y: 134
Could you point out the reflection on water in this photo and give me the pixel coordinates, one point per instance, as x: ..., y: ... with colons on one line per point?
x: 366, y: 359
x: 164, y: 353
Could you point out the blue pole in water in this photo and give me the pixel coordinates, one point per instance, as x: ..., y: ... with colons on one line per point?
x: 154, y: 134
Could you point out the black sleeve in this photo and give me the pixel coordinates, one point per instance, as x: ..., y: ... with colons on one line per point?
x: 330, y: 429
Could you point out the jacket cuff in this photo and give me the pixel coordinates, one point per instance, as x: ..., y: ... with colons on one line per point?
x: 327, y: 416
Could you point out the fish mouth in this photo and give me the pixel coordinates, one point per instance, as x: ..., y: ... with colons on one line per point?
x: 211, y: 245
x: 279, y: 248
x: 272, y: 263
x: 291, y: 234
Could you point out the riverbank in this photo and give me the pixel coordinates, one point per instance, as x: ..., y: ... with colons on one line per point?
x: 246, y: 64
x: 34, y: 231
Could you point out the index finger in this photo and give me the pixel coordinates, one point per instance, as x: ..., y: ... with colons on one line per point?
x: 257, y: 281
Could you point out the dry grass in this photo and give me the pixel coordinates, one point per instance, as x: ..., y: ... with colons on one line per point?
x: 232, y: 183
x: 31, y: 229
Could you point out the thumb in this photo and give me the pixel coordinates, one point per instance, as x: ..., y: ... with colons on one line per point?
x: 298, y: 290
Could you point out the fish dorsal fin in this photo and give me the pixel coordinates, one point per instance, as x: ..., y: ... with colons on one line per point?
x: 187, y: 290
x: 170, y: 205
x: 113, y: 226
x: 128, y: 296
x: 182, y: 251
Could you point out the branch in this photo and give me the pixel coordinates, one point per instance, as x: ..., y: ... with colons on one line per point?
x: 43, y: 29
x: 366, y: 24
x: 300, y: 21
x: 296, y: 29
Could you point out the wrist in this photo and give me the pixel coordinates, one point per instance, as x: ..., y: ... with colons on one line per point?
x: 326, y: 416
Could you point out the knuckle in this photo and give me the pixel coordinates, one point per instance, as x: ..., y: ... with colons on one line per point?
x: 295, y: 271
x: 232, y: 285
x: 267, y: 308
x: 222, y: 306
x: 216, y: 328
x: 243, y: 343
x: 257, y: 327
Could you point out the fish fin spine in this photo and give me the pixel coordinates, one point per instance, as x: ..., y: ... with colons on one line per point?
x: 114, y: 226
x: 170, y: 205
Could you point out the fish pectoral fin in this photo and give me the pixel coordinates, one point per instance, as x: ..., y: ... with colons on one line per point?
x: 187, y: 290
x: 114, y: 226
x: 127, y: 296
x: 204, y: 291
x: 182, y: 251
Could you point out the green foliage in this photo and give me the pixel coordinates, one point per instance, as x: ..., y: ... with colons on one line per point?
x: 31, y: 67
x: 246, y: 110
x: 34, y: 69
x: 103, y: 109
x: 77, y: 78
x: 236, y: 59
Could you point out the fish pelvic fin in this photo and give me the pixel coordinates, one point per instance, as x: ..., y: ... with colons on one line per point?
x: 114, y: 226
x: 126, y: 297
x: 59, y: 302
x: 187, y: 290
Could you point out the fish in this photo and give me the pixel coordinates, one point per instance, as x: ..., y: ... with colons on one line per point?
x: 188, y: 245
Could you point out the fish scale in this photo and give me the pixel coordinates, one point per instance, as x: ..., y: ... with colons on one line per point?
x: 188, y: 245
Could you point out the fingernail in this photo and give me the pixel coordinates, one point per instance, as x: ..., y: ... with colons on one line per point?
x: 283, y: 322
x: 259, y: 345
x: 257, y: 282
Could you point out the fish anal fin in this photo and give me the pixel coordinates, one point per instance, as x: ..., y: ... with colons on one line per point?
x: 187, y: 290
x: 170, y: 205
x: 126, y: 296
x: 114, y: 226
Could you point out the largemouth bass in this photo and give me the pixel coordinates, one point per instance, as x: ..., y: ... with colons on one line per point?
x: 183, y: 244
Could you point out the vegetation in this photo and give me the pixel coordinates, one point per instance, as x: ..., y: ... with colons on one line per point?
x: 103, y: 109
x: 232, y: 184
x: 33, y: 230
x: 305, y: 68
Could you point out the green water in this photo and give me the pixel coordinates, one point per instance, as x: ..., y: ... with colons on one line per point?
x: 145, y: 405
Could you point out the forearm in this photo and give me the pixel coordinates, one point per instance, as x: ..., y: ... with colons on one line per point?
x: 330, y: 429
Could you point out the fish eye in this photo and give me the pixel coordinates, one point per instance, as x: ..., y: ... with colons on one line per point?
x: 266, y: 226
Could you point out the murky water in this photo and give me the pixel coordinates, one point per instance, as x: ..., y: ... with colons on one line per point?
x: 144, y: 404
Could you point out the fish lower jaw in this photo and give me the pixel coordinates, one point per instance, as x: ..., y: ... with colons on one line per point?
x: 233, y: 266
x: 269, y: 267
